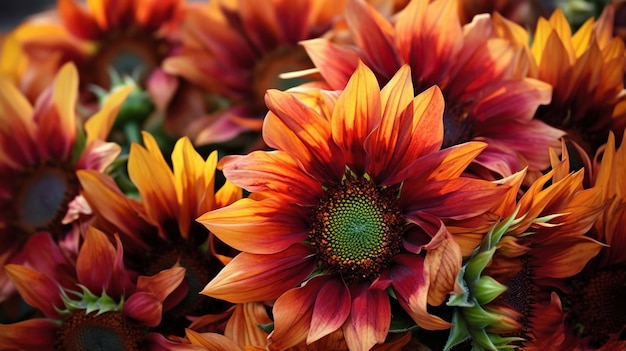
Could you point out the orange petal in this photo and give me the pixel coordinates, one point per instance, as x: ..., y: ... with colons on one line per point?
x: 37, y: 289
x: 278, y: 225
x: 356, y: 113
x: 299, y: 130
x: 30, y: 335
x: 292, y: 314
x: 243, y: 324
x: 275, y: 172
x: 163, y: 283
x: 158, y: 194
x: 370, y: 316
x: 108, y: 201
x: 250, y: 277
x: 211, y: 341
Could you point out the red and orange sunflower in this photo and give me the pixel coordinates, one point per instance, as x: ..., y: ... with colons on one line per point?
x: 594, y: 308
x: 88, y: 304
x: 586, y: 70
x: 42, y: 146
x: 159, y: 230
x: 236, y: 50
x: 511, y: 281
x: 350, y: 206
x: 132, y: 37
x: 482, y: 77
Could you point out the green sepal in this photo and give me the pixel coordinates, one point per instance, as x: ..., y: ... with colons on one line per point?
x: 459, y: 332
x: 487, y: 289
x: 86, y: 300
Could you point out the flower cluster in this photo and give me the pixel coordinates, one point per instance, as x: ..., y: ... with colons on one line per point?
x: 314, y: 175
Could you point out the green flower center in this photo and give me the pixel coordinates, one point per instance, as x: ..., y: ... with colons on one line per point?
x: 106, y: 331
x: 597, y: 305
x: 357, y: 228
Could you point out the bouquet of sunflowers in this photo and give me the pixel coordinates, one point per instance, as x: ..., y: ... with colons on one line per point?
x: 314, y: 175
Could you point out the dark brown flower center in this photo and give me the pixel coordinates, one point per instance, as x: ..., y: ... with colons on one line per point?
x: 267, y: 70
x: 200, y: 268
x: 597, y: 307
x: 128, y: 54
x: 92, y: 332
x: 42, y: 199
x: 520, y: 295
x: 357, y: 228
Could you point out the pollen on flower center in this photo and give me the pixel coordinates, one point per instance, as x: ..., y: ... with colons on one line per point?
x: 106, y: 331
x: 357, y: 229
x: 597, y: 306
x: 42, y: 199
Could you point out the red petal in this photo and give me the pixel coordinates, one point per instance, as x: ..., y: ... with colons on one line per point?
x: 410, y: 282
x: 78, y: 20
x: 145, y: 308
x: 292, y: 314
x: 336, y: 63
x: 332, y: 307
x: 370, y: 316
x: 249, y: 277
x: 375, y: 36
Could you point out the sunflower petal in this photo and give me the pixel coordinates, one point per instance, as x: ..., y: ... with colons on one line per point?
x: 278, y: 225
x: 249, y: 277
x: 370, y: 316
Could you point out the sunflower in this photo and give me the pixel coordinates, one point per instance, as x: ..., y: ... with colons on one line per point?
x: 159, y: 229
x: 236, y: 50
x: 350, y: 206
x: 88, y: 303
x: 594, y: 308
x: 130, y: 37
x: 482, y: 77
x: 586, y: 70
x: 42, y: 148
x: 511, y: 281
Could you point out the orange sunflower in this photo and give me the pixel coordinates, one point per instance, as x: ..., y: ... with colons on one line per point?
x: 481, y: 77
x: 511, y: 281
x: 42, y: 147
x: 159, y: 230
x: 350, y: 206
x: 586, y: 71
x: 132, y: 37
x: 523, y: 12
x: 595, y: 312
x: 236, y: 50
x: 89, y: 303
